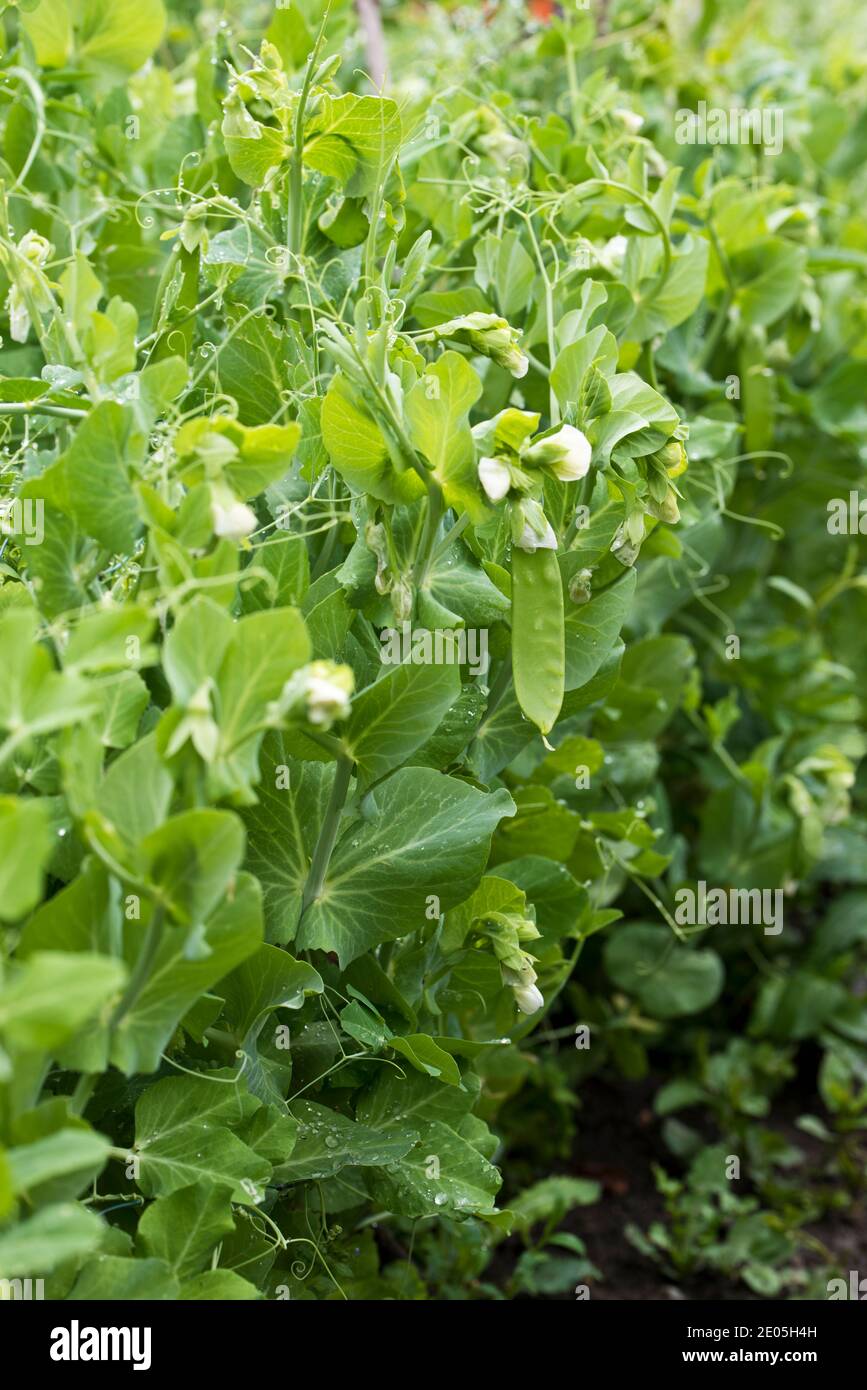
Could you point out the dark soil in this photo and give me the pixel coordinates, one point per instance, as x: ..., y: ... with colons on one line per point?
x: 618, y: 1140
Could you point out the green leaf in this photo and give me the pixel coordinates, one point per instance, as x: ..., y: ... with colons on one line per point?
x: 34, y: 698
x: 506, y: 270
x: 352, y: 139
x: 669, y: 980
x: 443, y: 1175
x: 27, y: 847
x: 67, y: 1151
x: 40, y: 1243
x: 183, y: 1228
x: 429, y: 835
x: 191, y: 859
x: 219, y: 1285
x: 358, y: 450
x: 90, y: 482
x: 437, y: 411
x: 115, y: 1279
x: 182, y: 1137
x: 267, y: 980
x: 328, y: 1141
x: 593, y: 628
x: 177, y: 979
x: 768, y: 278
x: 424, y: 1054
x: 46, y: 1000
x: 393, y: 717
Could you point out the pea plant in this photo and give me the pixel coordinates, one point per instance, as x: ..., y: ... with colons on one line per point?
x: 337, y: 428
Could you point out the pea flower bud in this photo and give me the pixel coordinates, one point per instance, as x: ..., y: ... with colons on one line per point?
x: 495, y: 478
x: 488, y: 334
x: 35, y: 250
x: 565, y: 453
x: 232, y: 520
x: 611, y: 256
x: 319, y: 692
x: 528, y: 996
x: 630, y: 120
x: 531, y: 529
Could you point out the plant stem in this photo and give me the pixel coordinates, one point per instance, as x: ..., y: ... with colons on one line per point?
x: 295, y: 228
x: 142, y: 968
x: 450, y: 537
x: 34, y: 408
x: 429, y: 535
x: 327, y: 834
x: 84, y: 1089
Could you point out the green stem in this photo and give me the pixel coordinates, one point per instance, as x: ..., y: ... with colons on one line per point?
x: 450, y: 537
x: 142, y: 968
x: 328, y: 833
x: 296, y: 167
x: 38, y: 100
x: 431, y: 526
x: 34, y: 408
x: 83, y: 1091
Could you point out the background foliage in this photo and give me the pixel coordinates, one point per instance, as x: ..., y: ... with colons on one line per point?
x: 297, y: 942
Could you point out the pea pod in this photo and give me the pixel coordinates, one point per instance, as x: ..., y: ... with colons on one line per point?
x: 538, y: 642
x: 758, y: 398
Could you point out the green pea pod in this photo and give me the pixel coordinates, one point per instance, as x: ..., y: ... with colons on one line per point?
x: 758, y: 398
x: 538, y: 641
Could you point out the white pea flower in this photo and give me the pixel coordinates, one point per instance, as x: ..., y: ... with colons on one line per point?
x: 501, y: 146
x: 233, y: 520
x: 531, y: 540
x: 566, y: 453
x: 319, y: 692
x: 630, y: 120
x: 529, y: 998
x: 328, y: 693
x: 495, y: 478
x: 612, y: 254
x: 35, y: 250
x: 531, y: 529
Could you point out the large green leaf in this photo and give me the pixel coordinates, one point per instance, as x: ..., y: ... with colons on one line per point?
x: 437, y: 409
x: 328, y: 1141
x: 669, y: 980
x: 183, y: 1228
x: 425, y: 834
x: 392, y: 718
x: 185, y: 1134
x: 352, y: 139
x: 91, y: 483
x: 39, y: 1244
